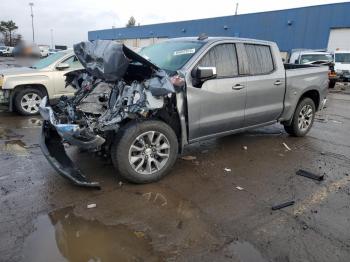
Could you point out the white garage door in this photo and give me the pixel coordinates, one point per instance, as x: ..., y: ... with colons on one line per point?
x: 339, y: 39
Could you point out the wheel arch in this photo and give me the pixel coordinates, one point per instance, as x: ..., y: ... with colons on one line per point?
x: 313, y: 94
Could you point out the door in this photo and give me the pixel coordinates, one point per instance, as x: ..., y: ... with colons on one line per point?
x: 265, y: 85
x: 339, y: 39
x: 59, y: 78
x: 217, y: 105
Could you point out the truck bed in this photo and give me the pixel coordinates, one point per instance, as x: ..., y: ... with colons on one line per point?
x: 301, y: 79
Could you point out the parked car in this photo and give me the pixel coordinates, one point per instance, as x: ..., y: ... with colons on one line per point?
x: 142, y: 109
x: 44, y: 51
x: 305, y: 57
x: 23, y: 88
x: 6, y: 50
x: 342, y: 65
x: 312, y: 57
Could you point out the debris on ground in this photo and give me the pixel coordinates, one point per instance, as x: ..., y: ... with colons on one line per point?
x: 283, y: 205
x: 139, y: 234
x: 337, y: 122
x: 307, y: 174
x: 120, y: 183
x: 239, y: 188
x: 245, y: 147
x: 287, y: 147
x: 189, y: 158
x: 91, y: 205
x: 227, y: 169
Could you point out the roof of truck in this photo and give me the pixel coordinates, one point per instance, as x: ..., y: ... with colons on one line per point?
x: 219, y: 38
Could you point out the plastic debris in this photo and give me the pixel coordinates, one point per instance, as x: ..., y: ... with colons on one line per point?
x: 91, y: 205
x: 287, y: 147
x: 139, y: 234
x: 227, y: 169
x: 283, y: 205
x: 307, y: 174
x: 239, y: 188
x: 245, y: 147
x: 189, y: 158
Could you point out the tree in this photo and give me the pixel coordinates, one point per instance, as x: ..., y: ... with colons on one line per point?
x: 3, y: 31
x: 131, y: 22
x: 8, y: 28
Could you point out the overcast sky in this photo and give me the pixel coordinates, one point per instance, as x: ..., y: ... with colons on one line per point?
x: 72, y: 19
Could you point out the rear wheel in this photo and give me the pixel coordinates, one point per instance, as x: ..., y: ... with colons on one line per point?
x: 303, y: 118
x: 144, y: 152
x: 27, y: 101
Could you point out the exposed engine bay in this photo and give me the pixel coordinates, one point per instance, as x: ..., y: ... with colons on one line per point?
x: 116, y: 86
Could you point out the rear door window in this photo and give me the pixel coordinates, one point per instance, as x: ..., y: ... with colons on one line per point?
x: 224, y: 58
x: 259, y: 58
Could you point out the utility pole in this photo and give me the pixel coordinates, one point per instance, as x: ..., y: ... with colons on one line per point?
x: 51, y: 31
x: 31, y: 14
x: 236, y: 12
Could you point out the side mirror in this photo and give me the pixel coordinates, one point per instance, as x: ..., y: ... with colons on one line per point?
x: 62, y: 66
x: 204, y: 73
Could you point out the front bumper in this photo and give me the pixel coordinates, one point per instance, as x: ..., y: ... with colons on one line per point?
x: 51, y: 143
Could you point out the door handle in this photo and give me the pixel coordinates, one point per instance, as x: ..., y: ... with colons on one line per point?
x: 238, y: 87
x: 277, y: 83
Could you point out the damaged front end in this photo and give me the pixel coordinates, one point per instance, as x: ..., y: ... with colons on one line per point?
x: 116, y: 86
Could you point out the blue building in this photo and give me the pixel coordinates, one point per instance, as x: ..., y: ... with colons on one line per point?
x: 315, y: 27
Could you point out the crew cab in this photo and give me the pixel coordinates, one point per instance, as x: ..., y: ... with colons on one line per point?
x: 22, y: 88
x: 143, y: 109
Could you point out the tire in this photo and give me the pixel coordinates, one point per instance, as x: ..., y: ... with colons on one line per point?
x: 27, y: 101
x: 127, y: 158
x: 296, y: 128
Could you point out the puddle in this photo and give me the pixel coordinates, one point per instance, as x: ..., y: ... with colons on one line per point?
x: 63, y: 236
x: 16, y: 147
x: 245, y: 252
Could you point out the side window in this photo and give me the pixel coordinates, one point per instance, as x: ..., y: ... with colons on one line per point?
x: 72, y: 61
x: 224, y: 58
x: 259, y: 58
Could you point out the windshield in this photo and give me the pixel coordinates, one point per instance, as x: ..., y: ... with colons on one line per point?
x: 2, y: 47
x: 315, y: 57
x: 343, y: 58
x: 171, y: 55
x: 48, y: 60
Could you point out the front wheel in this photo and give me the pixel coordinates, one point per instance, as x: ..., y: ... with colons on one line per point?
x: 144, y: 152
x: 303, y: 118
x: 27, y: 101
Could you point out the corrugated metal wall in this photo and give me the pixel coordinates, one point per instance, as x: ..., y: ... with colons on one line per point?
x: 306, y: 27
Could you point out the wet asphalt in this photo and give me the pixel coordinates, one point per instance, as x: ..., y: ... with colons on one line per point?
x: 214, y: 206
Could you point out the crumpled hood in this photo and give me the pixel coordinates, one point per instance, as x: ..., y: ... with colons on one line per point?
x: 107, y: 60
x: 17, y: 71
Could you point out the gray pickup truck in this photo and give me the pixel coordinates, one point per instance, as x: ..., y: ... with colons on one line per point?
x: 142, y: 109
